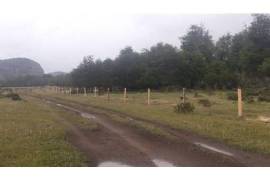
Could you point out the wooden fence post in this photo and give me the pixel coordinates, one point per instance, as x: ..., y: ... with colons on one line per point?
x: 148, y: 96
x: 183, y: 95
x: 108, y: 94
x: 240, y: 104
x: 77, y: 90
x: 125, y: 94
x: 95, y: 91
x: 84, y: 89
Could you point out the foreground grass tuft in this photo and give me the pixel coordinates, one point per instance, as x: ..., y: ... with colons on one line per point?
x: 32, y: 136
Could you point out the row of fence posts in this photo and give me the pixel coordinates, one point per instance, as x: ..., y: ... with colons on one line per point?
x: 95, y: 90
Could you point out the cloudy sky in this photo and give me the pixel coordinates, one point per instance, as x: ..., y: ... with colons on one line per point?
x: 58, y: 35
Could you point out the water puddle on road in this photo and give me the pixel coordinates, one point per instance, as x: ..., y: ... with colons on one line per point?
x: 162, y: 163
x: 112, y: 164
x: 213, y: 149
x: 88, y: 116
x: 157, y: 162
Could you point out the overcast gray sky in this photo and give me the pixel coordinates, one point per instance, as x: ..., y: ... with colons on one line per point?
x: 58, y: 38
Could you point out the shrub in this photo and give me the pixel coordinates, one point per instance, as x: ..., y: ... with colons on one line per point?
x: 251, y: 92
x: 186, y: 107
x: 246, y: 96
x: 265, y: 92
x: 196, y: 94
x: 205, y: 102
x: 249, y: 99
x: 232, y: 96
x: 265, y: 98
x: 14, y: 96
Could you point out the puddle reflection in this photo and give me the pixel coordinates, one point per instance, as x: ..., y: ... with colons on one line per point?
x: 157, y: 162
x: 112, y: 164
x: 162, y: 163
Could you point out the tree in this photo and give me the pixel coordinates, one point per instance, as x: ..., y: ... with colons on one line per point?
x: 198, y: 51
x: 223, y: 47
x: 265, y: 67
x: 126, y: 68
x: 160, y: 66
x: 240, y: 59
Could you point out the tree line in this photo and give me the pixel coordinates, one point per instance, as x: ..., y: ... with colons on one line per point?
x: 242, y: 59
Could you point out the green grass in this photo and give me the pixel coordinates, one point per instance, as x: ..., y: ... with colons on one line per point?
x: 219, y: 121
x: 31, y: 135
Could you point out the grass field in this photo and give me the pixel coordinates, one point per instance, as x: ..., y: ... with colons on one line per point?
x: 219, y: 121
x: 31, y: 135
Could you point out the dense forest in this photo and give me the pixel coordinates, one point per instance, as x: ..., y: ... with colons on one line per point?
x: 242, y: 59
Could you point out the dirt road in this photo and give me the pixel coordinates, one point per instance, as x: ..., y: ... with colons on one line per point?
x: 117, y: 144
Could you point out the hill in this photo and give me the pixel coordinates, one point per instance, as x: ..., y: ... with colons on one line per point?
x: 19, y: 67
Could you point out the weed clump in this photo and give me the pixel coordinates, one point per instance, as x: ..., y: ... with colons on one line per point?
x: 14, y: 96
x: 265, y: 98
x: 185, y: 107
x: 249, y: 99
x: 232, y: 96
x: 205, y: 102
x: 196, y: 95
x: 250, y: 95
x: 264, y: 95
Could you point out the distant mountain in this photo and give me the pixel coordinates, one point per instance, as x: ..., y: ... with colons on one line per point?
x: 57, y: 73
x: 19, y: 67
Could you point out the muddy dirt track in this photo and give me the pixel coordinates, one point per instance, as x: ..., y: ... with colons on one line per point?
x: 118, y: 144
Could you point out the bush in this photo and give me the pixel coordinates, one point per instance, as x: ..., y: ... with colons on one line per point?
x: 265, y: 92
x: 186, y: 107
x: 196, y: 94
x: 265, y: 98
x: 246, y: 96
x: 249, y: 99
x: 14, y: 96
x: 232, y: 96
x: 205, y: 102
x: 251, y: 92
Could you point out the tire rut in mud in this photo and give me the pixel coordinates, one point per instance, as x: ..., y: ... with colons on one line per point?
x: 119, y: 143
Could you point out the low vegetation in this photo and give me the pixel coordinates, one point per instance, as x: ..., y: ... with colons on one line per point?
x: 32, y: 135
x: 184, y: 107
x: 14, y: 96
x: 8, y: 93
x: 219, y: 122
x: 252, y: 95
x: 204, y: 102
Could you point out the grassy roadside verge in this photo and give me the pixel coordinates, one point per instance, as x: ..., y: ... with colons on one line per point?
x: 32, y: 136
x: 218, y: 122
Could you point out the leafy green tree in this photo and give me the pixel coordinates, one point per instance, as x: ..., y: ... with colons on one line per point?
x: 240, y: 59
x: 265, y: 67
x: 198, y: 51
x: 223, y: 47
